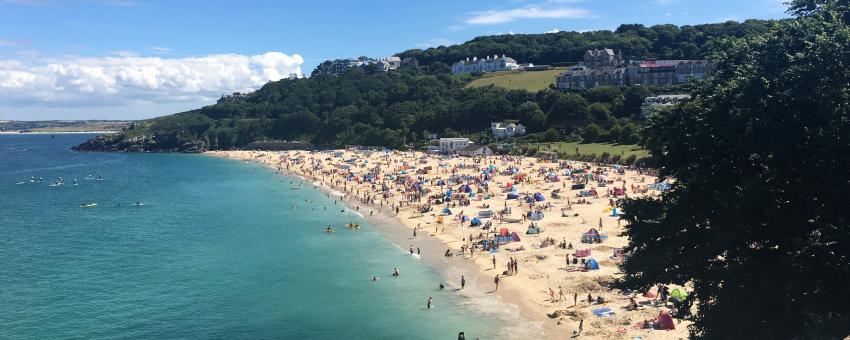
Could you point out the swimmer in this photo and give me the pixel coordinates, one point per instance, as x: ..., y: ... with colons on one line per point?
x: 396, y: 272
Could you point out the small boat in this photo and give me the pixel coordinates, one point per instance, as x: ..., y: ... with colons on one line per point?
x: 56, y: 184
x: 89, y: 177
x: 99, y: 178
x: 138, y: 204
x: 88, y: 205
x: 19, y: 183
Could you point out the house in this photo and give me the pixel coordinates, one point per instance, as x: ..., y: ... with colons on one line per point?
x: 449, y: 145
x: 232, y: 97
x: 339, y: 66
x: 474, y: 150
x: 651, y: 104
x: 485, y: 65
x: 503, y: 130
x: 606, y: 68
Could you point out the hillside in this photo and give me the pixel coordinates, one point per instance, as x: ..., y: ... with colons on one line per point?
x: 529, y: 81
x: 402, y: 108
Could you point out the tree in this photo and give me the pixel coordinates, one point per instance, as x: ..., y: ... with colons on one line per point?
x: 591, y: 133
x: 568, y: 106
x: 551, y: 135
x: 530, y: 114
x: 598, y: 111
x: 633, y: 98
x: 757, y: 220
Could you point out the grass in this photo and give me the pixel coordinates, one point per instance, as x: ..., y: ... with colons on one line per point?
x: 531, y: 81
x: 625, y: 150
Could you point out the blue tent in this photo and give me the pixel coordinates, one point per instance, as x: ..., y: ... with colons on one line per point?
x: 449, y: 193
x: 615, y: 212
x: 592, y: 264
x: 528, y: 199
x: 539, y: 197
x: 475, y: 221
x: 440, y: 182
x: 512, y: 196
x: 467, y: 188
x: 464, y: 218
x: 447, y: 211
x: 535, y: 216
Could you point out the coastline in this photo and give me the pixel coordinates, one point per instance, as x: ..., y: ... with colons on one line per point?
x: 18, y: 132
x: 526, y: 292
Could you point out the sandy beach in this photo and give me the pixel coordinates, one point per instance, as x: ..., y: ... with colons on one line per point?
x: 565, y: 202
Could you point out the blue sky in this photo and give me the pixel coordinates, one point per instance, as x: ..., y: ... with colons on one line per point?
x: 117, y: 59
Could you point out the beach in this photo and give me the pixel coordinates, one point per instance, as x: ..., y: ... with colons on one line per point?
x: 553, y: 207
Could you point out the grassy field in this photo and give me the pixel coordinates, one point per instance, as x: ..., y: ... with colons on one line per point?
x: 531, y: 81
x: 625, y: 150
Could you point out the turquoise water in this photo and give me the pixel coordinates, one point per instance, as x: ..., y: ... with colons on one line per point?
x: 216, y: 252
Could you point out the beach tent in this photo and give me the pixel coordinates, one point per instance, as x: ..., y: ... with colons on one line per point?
x: 515, y: 237
x: 512, y: 196
x: 603, y: 312
x: 678, y: 294
x: 466, y: 188
x: 665, y: 321
x: 440, y: 182
x: 446, y: 211
x: 503, y: 232
x: 475, y: 222
x: 528, y: 199
x: 464, y: 218
x: 533, y: 230
x: 535, y: 216
x: 615, y: 212
x: 539, y: 197
x: 592, y: 264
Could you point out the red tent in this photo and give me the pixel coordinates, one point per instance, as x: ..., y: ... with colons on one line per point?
x: 503, y: 232
x: 665, y: 321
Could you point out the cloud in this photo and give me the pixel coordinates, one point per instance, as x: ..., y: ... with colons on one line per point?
x: 494, y: 17
x: 130, y: 80
x: 159, y: 49
x: 554, y: 30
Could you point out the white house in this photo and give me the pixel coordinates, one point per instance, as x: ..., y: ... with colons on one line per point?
x: 502, y: 130
x: 485, y: 65
x: 651, y: 104
x: 453, y: 144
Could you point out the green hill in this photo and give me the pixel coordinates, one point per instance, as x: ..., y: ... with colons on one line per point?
x: 529, y: 81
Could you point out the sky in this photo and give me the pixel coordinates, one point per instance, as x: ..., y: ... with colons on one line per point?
x: 136, y: 59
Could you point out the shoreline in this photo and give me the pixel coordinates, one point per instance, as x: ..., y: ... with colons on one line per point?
x: 541, y: 267
x: 383, y: 222
x: 18, y: 132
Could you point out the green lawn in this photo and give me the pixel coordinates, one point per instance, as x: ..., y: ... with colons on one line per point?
x: 531, y: 81
x: 596, y: 148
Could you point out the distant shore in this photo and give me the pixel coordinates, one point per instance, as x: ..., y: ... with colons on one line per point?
x: 20, y: 132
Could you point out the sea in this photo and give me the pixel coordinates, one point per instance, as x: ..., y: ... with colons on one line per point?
x: 199, y: 247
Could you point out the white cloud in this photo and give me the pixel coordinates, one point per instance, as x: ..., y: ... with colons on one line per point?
x: 131, y: 80
x: 9, y: 43
x: 668, y: 14
x: 554, y: 30
x: 159, y: 49
x: 530, y: 12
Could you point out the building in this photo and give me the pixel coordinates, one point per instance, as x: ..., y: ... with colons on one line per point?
x: 652, y: 104
x: 232, y: 97
x: 485, y: 65
x: 339, y: 66
x: 474, y: 150
x: 603, y: 58
x: 453, y: 144
x: 606, y: 68
x: 504, y: 130
x: 583, y: 77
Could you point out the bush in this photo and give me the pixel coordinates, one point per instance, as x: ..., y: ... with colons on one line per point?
x: 630, y: 160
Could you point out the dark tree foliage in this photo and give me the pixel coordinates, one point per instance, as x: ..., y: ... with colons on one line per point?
x: 636, y: 41
x: 757, y: 220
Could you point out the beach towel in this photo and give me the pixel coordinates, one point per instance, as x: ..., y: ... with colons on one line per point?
x: 603, y: 312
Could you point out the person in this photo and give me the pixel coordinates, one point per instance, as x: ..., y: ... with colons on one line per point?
x: 414, y: 232
x: 448, y: 252
x: 411, y: 249
x: 375, y: 278
x: 418, y: 252
x: 442, y: 286
x: 580, y: 326
x: 589, y: 299
x: 575, y: 299
x: 561, y: 293
x: 429, y: 302
x: 496, y: 281
x: 461, y: 336
x: 396, y: 272
x: 462, y: 282
x: 494, y: 261
x: 551, y: 295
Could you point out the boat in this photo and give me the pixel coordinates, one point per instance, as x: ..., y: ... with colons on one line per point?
x: 19, y: 183
x: 56, y: 184
x: 89, y: 177
x: 88, y: 205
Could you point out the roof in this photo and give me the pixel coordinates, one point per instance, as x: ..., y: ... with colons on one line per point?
x: 472, y: 147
